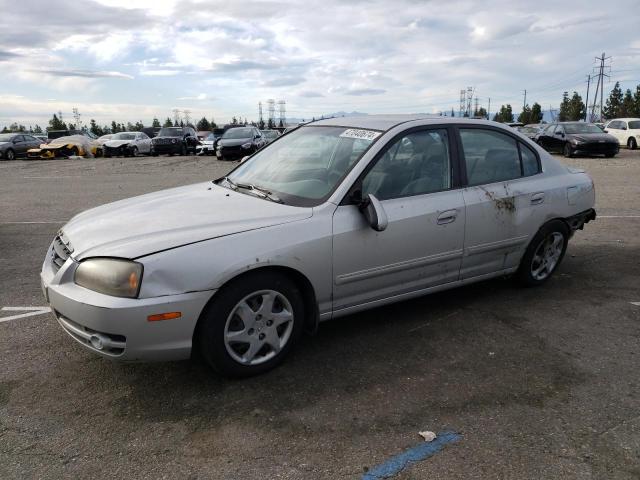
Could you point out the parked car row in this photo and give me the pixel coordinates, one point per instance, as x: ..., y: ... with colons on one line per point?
x: 577, y: 138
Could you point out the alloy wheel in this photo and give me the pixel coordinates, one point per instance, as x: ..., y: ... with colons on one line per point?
x: 258, y: 327
x: 547, y: 256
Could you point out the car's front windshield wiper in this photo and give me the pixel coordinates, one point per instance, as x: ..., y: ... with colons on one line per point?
x: 261, y: 192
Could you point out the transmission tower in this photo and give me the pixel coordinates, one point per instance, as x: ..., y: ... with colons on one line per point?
x: 600, y: 88
x: 176, y: 116
x: 475, y: 111
x: 271, y: 108
x: 76, y: 117
x: 463, y: 102
x: 282, y: 113
x: 469, y: 99
x: 187, y: 116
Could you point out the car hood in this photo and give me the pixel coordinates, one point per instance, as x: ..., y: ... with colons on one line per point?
x: 162, y: 220
x: 592, y: 137
x: 116, y: 143
x: 233, y: 142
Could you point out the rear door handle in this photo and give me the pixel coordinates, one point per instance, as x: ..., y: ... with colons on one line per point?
x: 447, y: 217
x: 537, y: 198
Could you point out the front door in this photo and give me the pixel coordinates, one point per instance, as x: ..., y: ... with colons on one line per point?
x: 422, y: 245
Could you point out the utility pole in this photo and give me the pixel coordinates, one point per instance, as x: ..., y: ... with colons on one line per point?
x: 524, y: 103
x: 463, y: 102
x: 475, y: 111
x: 489, y: 110
x: 586, y: 110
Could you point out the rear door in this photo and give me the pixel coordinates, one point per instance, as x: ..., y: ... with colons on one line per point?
x: 504, y: 199
x: 415, y: 179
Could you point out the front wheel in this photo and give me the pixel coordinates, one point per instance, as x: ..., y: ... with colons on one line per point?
x: 544, y: 253
x: 251, y: 324
x: 183, y: 150
x: 568, y: 151
x: 134, y: 152
x: 10, y: 155
x: 632, y: 144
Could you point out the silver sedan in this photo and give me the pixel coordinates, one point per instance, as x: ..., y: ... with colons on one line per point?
x: 335, y: 217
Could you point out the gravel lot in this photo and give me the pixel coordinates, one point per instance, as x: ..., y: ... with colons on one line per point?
x: 540, y: 383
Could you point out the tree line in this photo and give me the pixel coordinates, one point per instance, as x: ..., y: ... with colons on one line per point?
x: 572, y: 108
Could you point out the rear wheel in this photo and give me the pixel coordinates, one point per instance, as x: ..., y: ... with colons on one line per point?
x: 544, y: 253
x: 632, y: 144
x: 251, y: 324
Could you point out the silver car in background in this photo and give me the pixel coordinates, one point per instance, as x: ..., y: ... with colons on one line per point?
x: 336, y: 217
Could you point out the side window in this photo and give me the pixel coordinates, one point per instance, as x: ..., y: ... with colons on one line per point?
x: 490, y: 156
x: 415, y: 164
x: 614, y: 125
x: 559, y: 129
x: 530, y: 165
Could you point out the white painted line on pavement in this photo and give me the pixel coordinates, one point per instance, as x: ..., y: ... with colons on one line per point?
x: 618, y: 216
x: 31, y: 311
x: 637, y: 304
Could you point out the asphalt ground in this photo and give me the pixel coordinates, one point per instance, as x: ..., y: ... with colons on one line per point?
x: 538, y: 383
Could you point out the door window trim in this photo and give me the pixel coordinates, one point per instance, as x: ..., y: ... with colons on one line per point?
x: 454, y: 160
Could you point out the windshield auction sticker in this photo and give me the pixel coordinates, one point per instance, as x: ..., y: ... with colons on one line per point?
x: 361, y: 134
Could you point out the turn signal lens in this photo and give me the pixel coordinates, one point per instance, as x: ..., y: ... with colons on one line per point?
x: 164, y: 316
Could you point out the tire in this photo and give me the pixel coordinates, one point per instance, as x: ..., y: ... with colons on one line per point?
x: 610, y: 155
x: 632, y: 144
x: 99, y: 153
x: 134, y: 152
x: 250, y: 351
x: 183, y: 150
x: 74, y: 152
x: 549, y: 246
x: 567, y: 150
x: 10, y: 155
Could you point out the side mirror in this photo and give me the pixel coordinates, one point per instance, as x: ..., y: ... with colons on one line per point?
x: 374, y: 212
x: 624, y: 128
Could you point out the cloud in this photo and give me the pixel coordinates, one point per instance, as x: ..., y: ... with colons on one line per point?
x: 159, y: 73
x: 202, y: 96
x: 6, y: 55
x: 283, y: 82
x: 359, y: 92
x: 58, y: 72
x: 310, y: 94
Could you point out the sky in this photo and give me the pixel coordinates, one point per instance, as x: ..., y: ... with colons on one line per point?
x: 129, y: 60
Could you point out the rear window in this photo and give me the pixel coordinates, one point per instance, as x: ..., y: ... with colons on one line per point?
x: 492, y: 156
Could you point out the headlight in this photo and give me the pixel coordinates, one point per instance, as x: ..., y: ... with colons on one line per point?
x: 247, y: 145
x: 118, y: 278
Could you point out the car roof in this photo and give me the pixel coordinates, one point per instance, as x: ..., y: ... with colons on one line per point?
x: 387, y: 122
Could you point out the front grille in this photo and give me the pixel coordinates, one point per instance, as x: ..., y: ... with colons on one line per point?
x: 164, y: 141
x: 230, y: 151
x: 61, y: 250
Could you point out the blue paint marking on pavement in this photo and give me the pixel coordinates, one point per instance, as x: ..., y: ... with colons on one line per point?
x: 416, y: 454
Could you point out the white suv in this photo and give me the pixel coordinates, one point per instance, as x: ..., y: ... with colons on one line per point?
x: 626, y: 130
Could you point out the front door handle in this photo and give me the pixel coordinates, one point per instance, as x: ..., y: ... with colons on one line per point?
x: 447, y: 217
x: 537, y: 198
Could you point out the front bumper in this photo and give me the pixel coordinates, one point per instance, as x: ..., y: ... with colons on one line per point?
x: 596, y: 148
x: 117, y: 328
x: 233, y: 153
x: 164, y: 148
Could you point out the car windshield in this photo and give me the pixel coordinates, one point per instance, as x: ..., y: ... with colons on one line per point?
x: 7, y: 137
x: 270, y: 133
x: 304, y: 167
x: 581, y: 128
x: 236, y: 133
x: 634, y: 125
x: 527, y: 129
x: 124, y: 136
x: 170, y: 132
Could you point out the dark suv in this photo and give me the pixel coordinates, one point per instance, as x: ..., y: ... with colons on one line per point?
x: 239, y: 142
x: 175, y: 140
